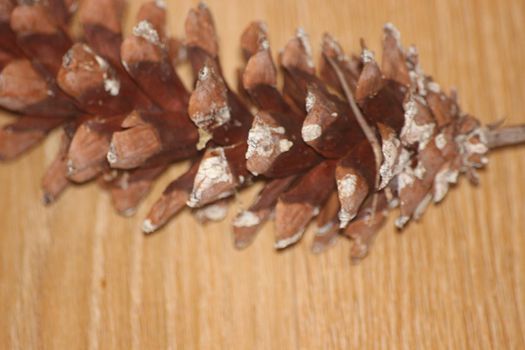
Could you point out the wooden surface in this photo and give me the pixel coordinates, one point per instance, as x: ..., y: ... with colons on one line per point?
x: 76, y: 275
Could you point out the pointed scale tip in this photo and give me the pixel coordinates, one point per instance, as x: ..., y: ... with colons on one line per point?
x: 111, y: 156
x: 148, y: 227
x: 240, y: 244
x: 166, y: 207
x: 47, y: 199
x: 283, y: 243
x: 246, y: 225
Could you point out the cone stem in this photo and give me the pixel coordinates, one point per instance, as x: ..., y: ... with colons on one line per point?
x: 507, y: 136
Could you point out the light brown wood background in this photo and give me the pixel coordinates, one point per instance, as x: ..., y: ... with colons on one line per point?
x: 76, y: 275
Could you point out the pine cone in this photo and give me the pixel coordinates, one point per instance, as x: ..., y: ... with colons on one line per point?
x: 345, y: 146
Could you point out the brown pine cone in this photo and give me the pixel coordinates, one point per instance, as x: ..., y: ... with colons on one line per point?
x: 344, y: 144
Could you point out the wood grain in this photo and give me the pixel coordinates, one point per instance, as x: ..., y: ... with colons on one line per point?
x: 76, y: 275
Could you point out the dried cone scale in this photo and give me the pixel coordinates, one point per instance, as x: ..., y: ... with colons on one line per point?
x: 340, y: 149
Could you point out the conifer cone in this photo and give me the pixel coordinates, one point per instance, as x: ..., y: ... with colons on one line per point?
x: 342, y: 145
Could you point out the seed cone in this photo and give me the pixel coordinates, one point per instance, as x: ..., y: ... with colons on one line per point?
x: 343, y: 148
